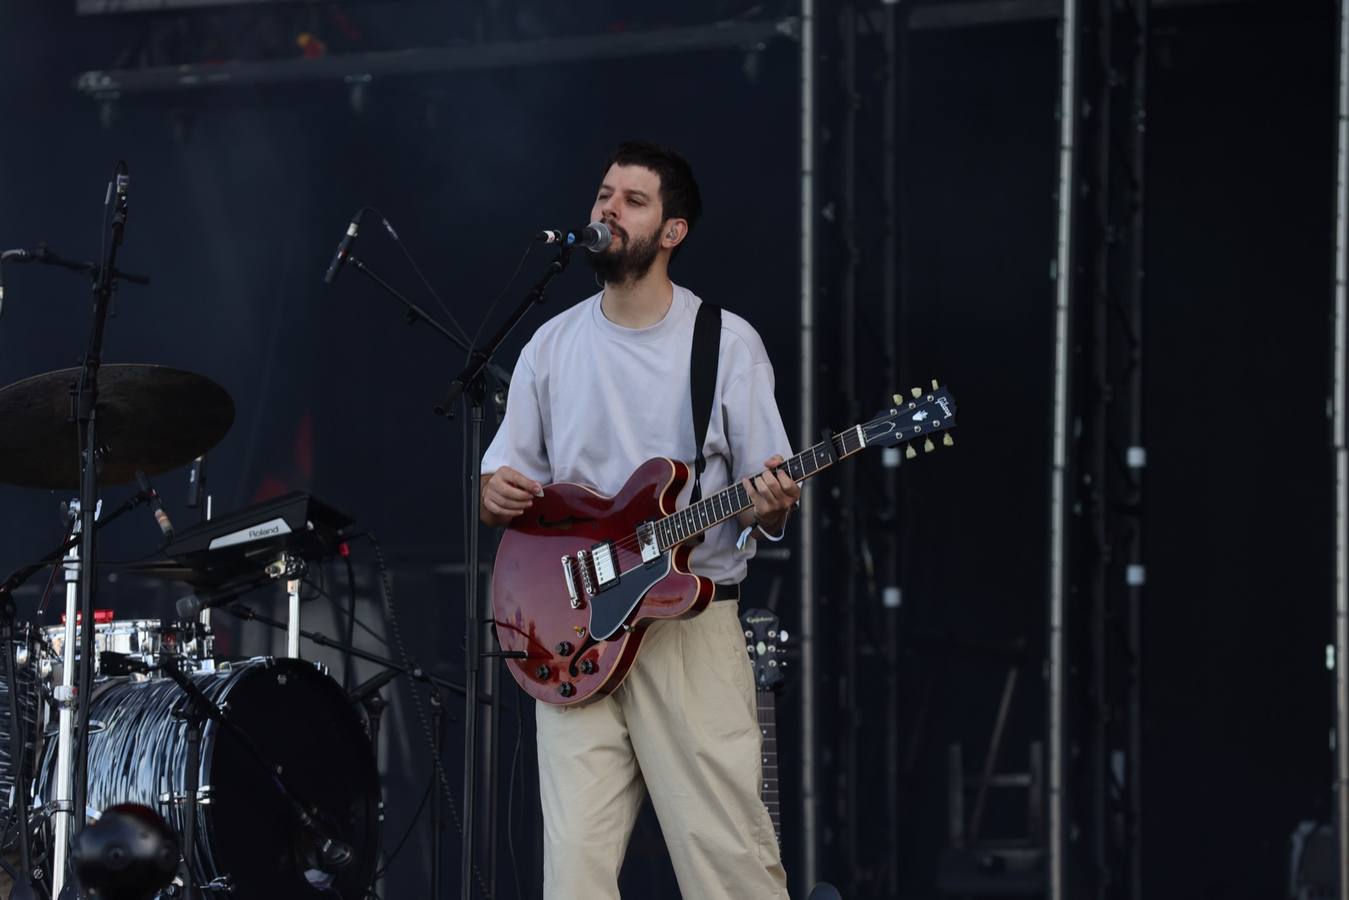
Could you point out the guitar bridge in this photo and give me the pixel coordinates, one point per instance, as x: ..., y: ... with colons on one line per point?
x: 569, y: 577
x: 583, y: 563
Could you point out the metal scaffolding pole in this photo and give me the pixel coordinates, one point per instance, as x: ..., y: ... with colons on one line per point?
x: 1340, y: 336
x: 1136, y: 454
x: 892, y: 303
x: 806, y: 438
x: 1058, y: 500
x: 846, y: 384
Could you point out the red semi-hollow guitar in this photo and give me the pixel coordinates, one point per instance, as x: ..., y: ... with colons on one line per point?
x: 580, y: 576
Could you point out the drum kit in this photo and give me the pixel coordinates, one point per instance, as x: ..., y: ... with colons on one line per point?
x: 263, y: 767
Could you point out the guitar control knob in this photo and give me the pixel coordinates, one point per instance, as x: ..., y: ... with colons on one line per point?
x: 567, y: 689
x: 588, y: 666
x: 565, y: 648
x: 543, y: 672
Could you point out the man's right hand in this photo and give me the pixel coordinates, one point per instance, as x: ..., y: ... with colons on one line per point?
x: 505, y: 494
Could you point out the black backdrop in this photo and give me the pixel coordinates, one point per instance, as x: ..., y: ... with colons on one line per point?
x: 238, y: 200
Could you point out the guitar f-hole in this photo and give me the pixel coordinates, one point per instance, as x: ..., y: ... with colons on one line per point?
x: 573, y: 668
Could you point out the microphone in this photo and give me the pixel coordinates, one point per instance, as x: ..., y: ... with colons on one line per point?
x: 594, y: 237
x: 20, y: 255
x: 340, y: 257
x: 156, y: 506
x: 190, y: 606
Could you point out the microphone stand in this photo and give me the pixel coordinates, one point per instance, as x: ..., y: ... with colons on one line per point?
x: 416, y: 314
x: 84, y: 403
x: 471, y: 383
x: 247, y: 614
x: 43, y: 255
x: 16, y: 580
x: 204, y: 708
x: 480, y: 366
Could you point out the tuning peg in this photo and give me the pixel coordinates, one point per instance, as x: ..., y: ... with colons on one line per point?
x: 947, y: 440
x: 899, y: 398
x: 928, y: 446
x: 909, y: 452
x: 917, y: 392
x: 934, y: 384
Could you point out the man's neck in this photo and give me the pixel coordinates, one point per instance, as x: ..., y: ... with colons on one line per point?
x: 641, y: 303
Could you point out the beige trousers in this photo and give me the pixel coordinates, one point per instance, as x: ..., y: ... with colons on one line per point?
x: 682, y: 726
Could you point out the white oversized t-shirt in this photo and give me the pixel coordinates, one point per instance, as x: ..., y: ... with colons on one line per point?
x: 590, y: 401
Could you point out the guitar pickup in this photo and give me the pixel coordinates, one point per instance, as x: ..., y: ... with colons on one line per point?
x: 605, y: 561
x: 647, y: 543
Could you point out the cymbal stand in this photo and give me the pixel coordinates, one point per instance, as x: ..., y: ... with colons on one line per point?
x: 199, y: 498
x: 292, y: 568
x: 64, y: 696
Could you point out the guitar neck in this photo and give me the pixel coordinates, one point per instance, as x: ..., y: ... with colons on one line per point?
x: 768, y: 728
x: 709, y: 512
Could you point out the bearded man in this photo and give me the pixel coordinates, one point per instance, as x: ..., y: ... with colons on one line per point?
x: 598, y: 390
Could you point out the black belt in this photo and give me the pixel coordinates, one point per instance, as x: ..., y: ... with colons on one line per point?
x: 726, y: 592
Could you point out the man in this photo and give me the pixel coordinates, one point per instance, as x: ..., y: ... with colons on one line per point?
x: 598, y: 390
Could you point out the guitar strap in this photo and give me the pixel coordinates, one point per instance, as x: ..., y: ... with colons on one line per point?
x: 703, y: 383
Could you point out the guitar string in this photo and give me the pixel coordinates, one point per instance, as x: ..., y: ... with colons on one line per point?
x: 632, y: 542
x: 691, y: 521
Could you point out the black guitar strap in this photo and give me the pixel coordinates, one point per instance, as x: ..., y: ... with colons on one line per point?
x: 703, y: 383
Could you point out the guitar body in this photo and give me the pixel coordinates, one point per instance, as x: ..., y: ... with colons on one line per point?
x: 565, y: 663
x: 580, y: 576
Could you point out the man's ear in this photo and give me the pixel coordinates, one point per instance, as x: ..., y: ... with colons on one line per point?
x: 673, y: 233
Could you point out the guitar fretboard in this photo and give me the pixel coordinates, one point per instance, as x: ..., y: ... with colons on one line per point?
x: 698, y: 517
x: 769, y: 730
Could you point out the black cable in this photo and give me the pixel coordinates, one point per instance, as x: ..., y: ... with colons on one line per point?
x: 347, y: 672
x: 416, y: 268
x: 510, y: 798
x: 359, y: 624
x: 426, y: 795
x: 396, y: 632
x: 487, y: 314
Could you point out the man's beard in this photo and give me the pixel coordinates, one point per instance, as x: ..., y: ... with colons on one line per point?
x: 629, y: 264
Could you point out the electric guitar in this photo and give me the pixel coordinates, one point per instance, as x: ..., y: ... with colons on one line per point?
x: 767, y: 644
x: 579, y: 577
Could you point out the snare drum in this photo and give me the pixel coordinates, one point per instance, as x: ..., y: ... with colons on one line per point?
x: 139, y: 638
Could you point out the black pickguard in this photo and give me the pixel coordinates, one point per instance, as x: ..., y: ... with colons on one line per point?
x: 610, y: 609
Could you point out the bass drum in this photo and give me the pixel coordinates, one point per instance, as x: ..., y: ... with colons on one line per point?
x: 249, y: 843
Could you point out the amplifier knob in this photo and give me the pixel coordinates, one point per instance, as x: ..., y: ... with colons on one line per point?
x: 567, y: 689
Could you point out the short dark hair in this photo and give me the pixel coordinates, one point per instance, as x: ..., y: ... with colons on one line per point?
x: 679, y: 194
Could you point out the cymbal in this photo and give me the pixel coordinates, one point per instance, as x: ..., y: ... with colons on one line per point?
x: 151, y: 418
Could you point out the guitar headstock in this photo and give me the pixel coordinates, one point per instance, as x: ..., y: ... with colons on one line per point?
x: 914, y: 418
x: 767, y: 645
